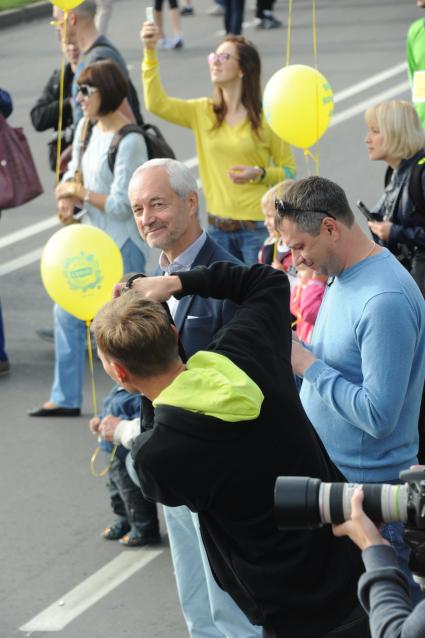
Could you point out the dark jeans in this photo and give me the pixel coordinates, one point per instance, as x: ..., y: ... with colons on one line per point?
x: 263, y: 5
x: 128, y: 502
x: 356, y: 625
x: 233, y: 16
x: 3, y: 355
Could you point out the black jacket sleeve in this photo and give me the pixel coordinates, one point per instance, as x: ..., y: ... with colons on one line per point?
x: 45, y: 113
x: 262, y: 321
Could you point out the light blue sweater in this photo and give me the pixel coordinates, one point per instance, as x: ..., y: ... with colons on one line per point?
x: 363, y: 393
x: 117, y: 219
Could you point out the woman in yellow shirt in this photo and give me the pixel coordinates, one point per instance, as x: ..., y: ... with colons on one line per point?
x: 239, y: 155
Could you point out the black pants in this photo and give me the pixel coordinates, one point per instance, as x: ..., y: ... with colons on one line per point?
x: 356, y: 625
x: 263, y: 5
x: 128, y: 502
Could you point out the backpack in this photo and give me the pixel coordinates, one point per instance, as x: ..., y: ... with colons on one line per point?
x: 155, y: 143
x: 416, y: 193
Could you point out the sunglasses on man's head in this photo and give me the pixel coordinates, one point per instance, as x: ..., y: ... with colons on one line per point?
x: 283, y: 208
x: 86, y: 90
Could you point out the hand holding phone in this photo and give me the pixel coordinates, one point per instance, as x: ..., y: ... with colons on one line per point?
x: 371, y: 217
x: 149, y: 33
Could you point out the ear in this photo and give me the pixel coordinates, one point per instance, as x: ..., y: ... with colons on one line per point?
x: 331, y: 228
x: 193, y: 202
x: 120, y: 371
x: 176, y: 332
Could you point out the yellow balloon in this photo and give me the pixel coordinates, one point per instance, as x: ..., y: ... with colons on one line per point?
x: 79, y: 266
x: 298, y: 104
x: 66, y: 5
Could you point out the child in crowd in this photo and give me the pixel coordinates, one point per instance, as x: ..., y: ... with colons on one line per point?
x: 274, y: 251
x: 136, y: 520
x: 306, y: 297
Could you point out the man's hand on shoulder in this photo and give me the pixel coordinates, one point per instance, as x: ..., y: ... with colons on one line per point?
x: 301, y: 358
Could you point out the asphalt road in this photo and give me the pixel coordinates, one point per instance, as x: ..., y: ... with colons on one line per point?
x: 52, y: 509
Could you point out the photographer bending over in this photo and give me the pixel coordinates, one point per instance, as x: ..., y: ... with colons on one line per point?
x: 383, y: 589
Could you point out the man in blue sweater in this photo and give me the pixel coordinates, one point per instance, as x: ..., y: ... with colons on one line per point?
x: 364, y: 372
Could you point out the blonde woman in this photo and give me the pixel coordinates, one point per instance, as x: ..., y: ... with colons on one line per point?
x: 395, y: 136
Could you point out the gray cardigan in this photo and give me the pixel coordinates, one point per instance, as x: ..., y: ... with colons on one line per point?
x: 384, y: 593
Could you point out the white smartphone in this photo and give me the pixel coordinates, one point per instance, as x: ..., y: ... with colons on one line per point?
x: 149, y: 14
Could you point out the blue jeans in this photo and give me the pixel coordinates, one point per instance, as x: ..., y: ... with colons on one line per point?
x: 393, y: 532
x: 243, y: 244
x: 233, y: 16
x: 3, y: 355
x: 209, y: 611
x: 70, y: 342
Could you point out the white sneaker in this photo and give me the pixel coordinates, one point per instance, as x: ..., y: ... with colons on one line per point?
x: 164, y: 43
x: 216, y: 10
x: 176, y: 43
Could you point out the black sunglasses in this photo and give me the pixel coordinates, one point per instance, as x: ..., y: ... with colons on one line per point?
x: 283, y: 208
x: 86, y: 90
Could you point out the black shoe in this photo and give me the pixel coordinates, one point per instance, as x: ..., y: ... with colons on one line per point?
x: 45, y: 334
x: 59, y: 411
x: 269, y: 23
x: 187, y: 10
x: 4, y: 368
x: 116, y: 531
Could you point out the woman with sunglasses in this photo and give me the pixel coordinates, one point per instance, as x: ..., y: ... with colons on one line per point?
x: 240, y: 157
x: 104, y: 202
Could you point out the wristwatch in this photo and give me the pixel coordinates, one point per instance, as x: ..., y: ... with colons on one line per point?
x: 129, y: 282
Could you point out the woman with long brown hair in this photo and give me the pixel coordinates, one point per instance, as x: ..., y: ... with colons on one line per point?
x: 239, y: 155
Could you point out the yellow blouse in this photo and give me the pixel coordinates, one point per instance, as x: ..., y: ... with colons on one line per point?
x: 220, y: 149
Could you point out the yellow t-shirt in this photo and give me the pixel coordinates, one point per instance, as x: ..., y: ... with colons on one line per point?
x: 220, y: 149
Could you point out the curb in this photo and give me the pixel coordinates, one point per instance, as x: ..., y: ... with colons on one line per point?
x: 25, y: 14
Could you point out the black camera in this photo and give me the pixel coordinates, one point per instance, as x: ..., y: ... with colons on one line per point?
x: 307, y: 503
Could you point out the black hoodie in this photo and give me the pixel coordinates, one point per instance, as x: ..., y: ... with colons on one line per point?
x: 297, y: 584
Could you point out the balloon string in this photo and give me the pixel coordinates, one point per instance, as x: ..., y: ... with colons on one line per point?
x: 90, y: 351
x: 314, y: 28
x: 309, y: 155
x: 61, y: 92
x: 105, y: 469
x: 288, y: 37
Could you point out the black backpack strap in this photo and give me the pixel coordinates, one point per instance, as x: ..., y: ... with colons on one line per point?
x: 416, y: 192
x: 116, y: 140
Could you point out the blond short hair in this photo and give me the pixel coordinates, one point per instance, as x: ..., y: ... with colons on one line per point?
x: 276, y: 192
x: 400, y: 126
x: 136, y: 332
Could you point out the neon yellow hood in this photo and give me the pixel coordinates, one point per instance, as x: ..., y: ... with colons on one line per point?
x: 215, y: 386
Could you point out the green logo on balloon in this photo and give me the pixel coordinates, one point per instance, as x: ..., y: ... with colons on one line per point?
x: 82, y: 272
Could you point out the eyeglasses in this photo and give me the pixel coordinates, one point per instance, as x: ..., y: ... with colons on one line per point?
x: 86, y: 90
x: 220, y: 57
x: 283, y: 208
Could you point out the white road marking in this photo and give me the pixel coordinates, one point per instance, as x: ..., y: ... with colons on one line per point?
x: 352, y: 111
x: 374, y: 99
x: 20, y: 262
x: 75, y: 602
x: 372, y: 81
x: 39, y: 227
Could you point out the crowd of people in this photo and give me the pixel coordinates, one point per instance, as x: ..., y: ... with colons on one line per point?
x: 282, y: 340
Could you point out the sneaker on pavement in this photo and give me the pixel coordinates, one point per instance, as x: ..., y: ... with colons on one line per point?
x: 269, y: 23
x: 164, y: 43
x: 187, y: 10
x: 216, y: 10
x: 46, y: 334
x: 135, y: 539
x: 4, y: 368
x: 176, y: 43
